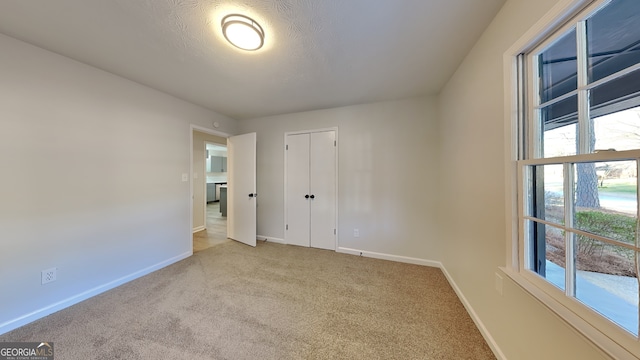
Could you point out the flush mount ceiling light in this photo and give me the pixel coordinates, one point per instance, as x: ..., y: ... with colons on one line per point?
x: 242, y: 32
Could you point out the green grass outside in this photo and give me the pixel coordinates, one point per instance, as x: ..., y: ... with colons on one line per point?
x: 627, y: 188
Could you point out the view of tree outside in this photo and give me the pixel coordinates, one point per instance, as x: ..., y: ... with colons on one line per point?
x: 606, y: 194
x: 613, y: 132
x: 587, y: 178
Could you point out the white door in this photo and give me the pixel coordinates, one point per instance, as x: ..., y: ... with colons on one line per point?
x: 311, y: 190
x: 322, y: 185
x: 241, y: 188
x: 298, y: 196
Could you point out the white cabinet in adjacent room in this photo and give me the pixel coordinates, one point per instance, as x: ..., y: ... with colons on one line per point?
x: 310, y: 191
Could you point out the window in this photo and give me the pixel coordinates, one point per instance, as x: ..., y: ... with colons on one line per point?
x: 578, y: 150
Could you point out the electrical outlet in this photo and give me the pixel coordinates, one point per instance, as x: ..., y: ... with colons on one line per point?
x: 49, y: 275
x: 356, y: 232
x: 499, y: 284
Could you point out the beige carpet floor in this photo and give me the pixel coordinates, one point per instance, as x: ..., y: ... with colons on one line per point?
x: 274, y: 301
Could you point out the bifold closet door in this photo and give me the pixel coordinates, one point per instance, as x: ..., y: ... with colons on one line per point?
x: 311, y: 190
x: 322, y: 185
x: 298, y: 218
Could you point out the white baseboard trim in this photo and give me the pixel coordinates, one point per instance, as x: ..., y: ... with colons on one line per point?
x: 50, y: 309
x: 396, y: 258
x: 483, y: 329
x: 199, y: 228
x: 270, y: 239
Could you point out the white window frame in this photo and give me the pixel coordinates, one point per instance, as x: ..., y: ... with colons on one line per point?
x: 607, y: 337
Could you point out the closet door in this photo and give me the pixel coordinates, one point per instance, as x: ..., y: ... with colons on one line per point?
x: 322, y: 186
x: 297, y: 190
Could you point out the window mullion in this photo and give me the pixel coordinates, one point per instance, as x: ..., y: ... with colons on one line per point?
x: 569, y: 236
x: 529, y: 261
x: 523, y: 152
x: 584, y: 125
x: 535, y: 126
x: 524, y: 174
x: 637, y: 244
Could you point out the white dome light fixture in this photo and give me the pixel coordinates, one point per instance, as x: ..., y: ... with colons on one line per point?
x: 242, y: 32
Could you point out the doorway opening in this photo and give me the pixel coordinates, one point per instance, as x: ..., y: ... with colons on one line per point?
x: 208, y: 162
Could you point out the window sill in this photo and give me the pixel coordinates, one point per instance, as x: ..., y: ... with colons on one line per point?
x: 600, y: 340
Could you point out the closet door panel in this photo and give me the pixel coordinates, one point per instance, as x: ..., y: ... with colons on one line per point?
x: 322, y: 186
x: 297, y: 190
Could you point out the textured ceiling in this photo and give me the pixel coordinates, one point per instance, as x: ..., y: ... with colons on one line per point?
x: 317, y: 54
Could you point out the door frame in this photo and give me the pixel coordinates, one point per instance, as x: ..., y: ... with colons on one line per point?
x: 205, y: 130
x: 284, y: 151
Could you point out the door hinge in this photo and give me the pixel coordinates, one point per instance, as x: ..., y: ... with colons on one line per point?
x: 286, y: 147
x: 287, y: 227
x: 334, y: 231
x: 334, y: 143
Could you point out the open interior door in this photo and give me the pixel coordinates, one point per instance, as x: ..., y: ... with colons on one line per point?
x: 241, y: 188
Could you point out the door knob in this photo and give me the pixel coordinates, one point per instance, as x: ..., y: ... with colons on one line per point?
x: 306, y: 196
x: 313, y: 196
x: 251, y: 195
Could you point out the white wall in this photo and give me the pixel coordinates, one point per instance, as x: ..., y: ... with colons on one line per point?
x: 387, y: 174
x: 91, y: 179
x: 472, y: 213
